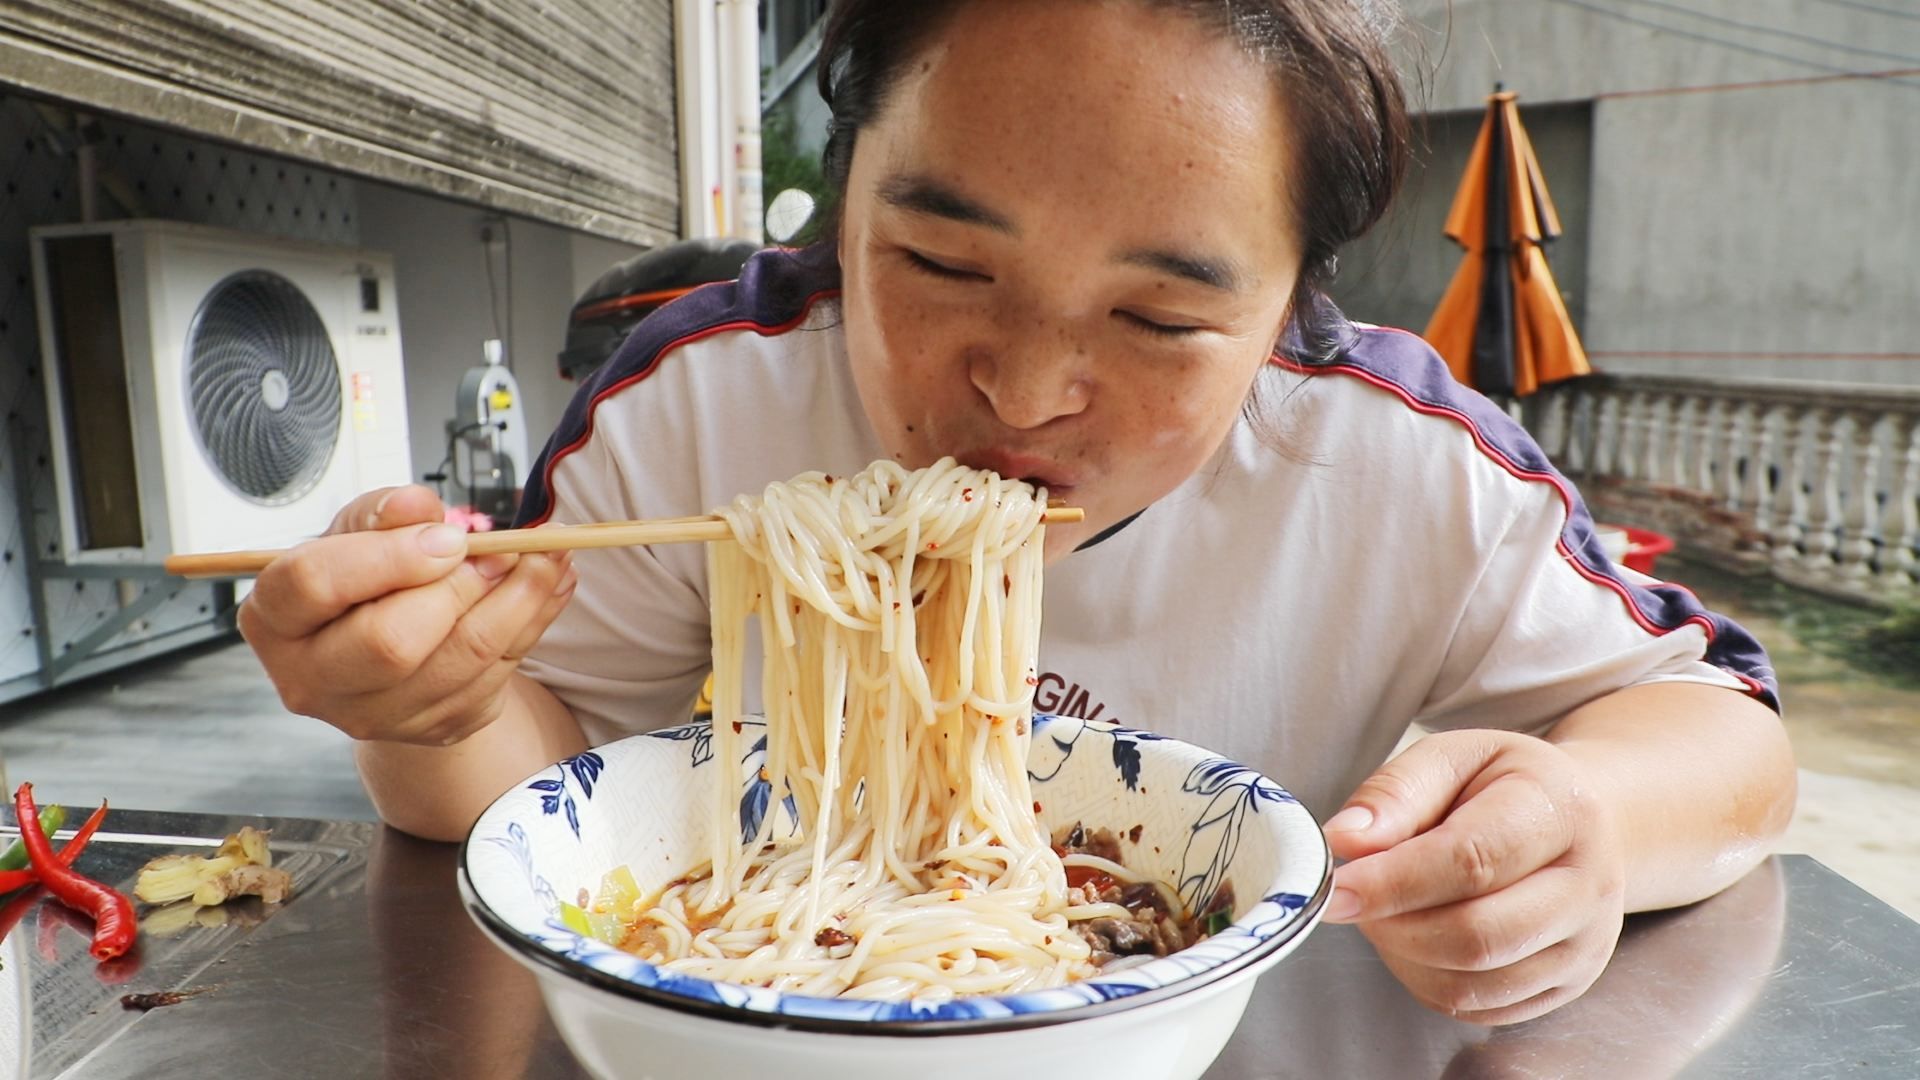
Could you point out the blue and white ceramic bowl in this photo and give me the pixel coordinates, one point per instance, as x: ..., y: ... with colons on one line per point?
x: 1203, y: 821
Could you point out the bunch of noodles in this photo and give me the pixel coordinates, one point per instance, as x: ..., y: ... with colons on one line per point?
x: 900, y: 613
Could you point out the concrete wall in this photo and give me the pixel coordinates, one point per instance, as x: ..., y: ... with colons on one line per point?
x: 1566, y: 50
x: 1771, y: 231
x: 1754, y: 208
x: 1396, y: 275
x: 441, y: 272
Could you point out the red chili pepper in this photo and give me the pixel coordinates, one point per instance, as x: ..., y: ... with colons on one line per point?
x: 52, y: 917
x: 113, y: 923
x: 73, y: 847
x: 20, y: 879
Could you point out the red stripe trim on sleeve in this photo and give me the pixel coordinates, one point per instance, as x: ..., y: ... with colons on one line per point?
x: 653, y: 365
x: 1559, y: 484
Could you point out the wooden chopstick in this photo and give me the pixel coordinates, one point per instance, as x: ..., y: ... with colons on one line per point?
x: 522, y: 541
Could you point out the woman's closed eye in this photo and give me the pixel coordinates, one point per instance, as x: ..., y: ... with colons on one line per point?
x: 1157, y: 326
x: 936, y: 268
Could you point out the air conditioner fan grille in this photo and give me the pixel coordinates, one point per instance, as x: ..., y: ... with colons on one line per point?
x: 264, y: 387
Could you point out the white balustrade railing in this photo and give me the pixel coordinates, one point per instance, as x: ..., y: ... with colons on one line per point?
x: 1820, y: 481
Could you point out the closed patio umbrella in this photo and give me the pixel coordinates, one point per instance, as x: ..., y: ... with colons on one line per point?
x: 1502, y: 326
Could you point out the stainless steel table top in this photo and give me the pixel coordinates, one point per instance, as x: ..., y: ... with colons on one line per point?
x: 373, y: 970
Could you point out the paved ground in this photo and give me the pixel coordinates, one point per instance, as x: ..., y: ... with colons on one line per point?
x: 1856, y: 733
x: 197, y: 730
x: 202, y: 730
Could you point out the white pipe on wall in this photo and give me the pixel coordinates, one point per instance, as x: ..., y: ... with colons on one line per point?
x: 740, y: 66
x: 703, y: 179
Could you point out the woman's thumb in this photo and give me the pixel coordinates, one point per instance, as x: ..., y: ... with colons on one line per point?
x: 1408, y: 795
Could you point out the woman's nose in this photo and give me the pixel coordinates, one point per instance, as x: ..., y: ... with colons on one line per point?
x: 1032, y: 383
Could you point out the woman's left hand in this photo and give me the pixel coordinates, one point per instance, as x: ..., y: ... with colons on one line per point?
x: 1487, y: 869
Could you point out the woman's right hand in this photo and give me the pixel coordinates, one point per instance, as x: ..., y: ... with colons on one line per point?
x: 384, y: 629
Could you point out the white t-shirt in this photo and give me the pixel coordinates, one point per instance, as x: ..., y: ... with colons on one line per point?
x: 1408, y: 555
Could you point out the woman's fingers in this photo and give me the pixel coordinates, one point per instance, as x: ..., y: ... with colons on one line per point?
x: 1485, y: 871
x: 1507, y: 995
x: 1506, y: 957
x: 556, y: 603
x: 388, y: 508
x: 412, y: 717
x: 1490, y: 932
x: 386, y: 630
x: 449, y: 677
x: 1507, y: 830
x: 361, y: 556
x: 381, y: 643
x: 321, y: 580
x: 499, y: 621
x: 1412, y: 793
x: 469, y: 706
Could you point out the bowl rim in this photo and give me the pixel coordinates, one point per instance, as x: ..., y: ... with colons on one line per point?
x: 541, y: 955
x: 560, y: 963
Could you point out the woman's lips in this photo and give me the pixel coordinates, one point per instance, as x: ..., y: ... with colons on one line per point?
x: 1038, y: 471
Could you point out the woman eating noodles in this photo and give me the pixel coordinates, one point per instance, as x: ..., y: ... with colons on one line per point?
x: 1083, y: 243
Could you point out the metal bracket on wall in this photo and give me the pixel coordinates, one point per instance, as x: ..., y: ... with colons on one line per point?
x: 157, y: 586
x: 157, y: 591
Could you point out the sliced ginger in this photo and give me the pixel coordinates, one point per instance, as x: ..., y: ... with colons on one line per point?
x: 241, y: 866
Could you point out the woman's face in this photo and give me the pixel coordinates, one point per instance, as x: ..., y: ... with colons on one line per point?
x: 1067, y: 249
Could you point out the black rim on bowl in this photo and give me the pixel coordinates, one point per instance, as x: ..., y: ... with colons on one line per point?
x: 510, y: 938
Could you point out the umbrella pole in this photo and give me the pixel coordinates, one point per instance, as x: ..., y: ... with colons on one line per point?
x: 1495, y: 359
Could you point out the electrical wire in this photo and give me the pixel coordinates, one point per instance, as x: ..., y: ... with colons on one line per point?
x: 449, y: 467
x: 1859, y: 5
x: 1791, y: 35
x: 503, y: 334
x: 506, y: 230
x: 1597, y: 9
x: 493, y: 291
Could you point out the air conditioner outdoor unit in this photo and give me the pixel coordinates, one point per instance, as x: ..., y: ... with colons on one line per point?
x: 211, y: 390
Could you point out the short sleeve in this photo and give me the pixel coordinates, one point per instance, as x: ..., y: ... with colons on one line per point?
x: 1551, y: 624
x: 721, y: 391
x: 631, y: 649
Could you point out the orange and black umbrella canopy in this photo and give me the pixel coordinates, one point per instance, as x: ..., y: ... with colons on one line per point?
x: 1502, y: 326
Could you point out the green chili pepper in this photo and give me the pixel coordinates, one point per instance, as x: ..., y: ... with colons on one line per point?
x: 51, y: 818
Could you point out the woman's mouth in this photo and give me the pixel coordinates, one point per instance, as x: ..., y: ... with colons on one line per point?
x: 1055, y: 492
x: 1038, y: 471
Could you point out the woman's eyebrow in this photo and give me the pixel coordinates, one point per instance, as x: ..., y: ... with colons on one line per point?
x: 921, y: 194
x: 925, y: 195
x: 1220, y: 274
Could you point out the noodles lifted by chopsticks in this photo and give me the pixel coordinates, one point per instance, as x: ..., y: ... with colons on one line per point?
x: 900, y: 613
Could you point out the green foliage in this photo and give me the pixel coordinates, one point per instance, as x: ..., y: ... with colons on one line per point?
x: 784, y: 165
x: 1881, y: 643
x: 1892, y: 645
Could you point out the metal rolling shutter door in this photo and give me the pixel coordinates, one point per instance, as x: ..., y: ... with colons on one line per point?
x: 563, y: 112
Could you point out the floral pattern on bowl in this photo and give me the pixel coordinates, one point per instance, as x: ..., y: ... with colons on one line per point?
x: 1193, y: 818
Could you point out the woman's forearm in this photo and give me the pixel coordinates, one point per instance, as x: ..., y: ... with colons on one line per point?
x: 1702, y: 779
x: 437, y: 792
